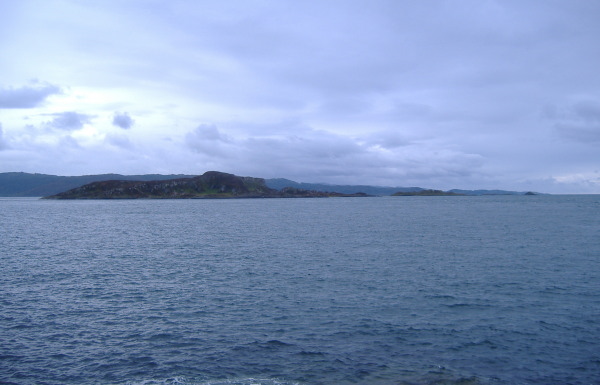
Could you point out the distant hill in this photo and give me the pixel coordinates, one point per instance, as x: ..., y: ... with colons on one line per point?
x: 489, y: 192
x: 21, y: 184
x: 279, y: 183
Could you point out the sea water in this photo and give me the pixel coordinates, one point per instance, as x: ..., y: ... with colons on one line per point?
x: 382, y: 290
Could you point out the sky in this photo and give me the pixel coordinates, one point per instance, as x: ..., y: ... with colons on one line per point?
x: 470, y: 94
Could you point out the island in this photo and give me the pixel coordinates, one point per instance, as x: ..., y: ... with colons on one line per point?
x: 210, y: 185
x: 426, y: 193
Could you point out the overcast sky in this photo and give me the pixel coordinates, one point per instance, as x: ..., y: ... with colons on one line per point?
x: 430, y: 93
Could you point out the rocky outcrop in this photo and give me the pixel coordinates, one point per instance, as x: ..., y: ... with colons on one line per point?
x: 212, y: 184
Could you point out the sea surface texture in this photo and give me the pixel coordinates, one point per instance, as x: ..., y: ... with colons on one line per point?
x: 389, y: 290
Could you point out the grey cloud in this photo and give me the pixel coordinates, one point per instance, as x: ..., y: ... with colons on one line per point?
x: 3, y: 143
x: 313, y: 155
x: 122, y: 120
x: 342, y: 160
x: 578, y: 121
x: 345, y: 106
x: 390, y: 139
x: 307, y: 150
x: 299, y: 148
x: 581, y: 110
x: 120, y: 141
x: 67, y: 141
x: 580, y: 133
x: 28, y: 96
x: 588, y: 111
x: 69, y: 120
x: 207, y: 139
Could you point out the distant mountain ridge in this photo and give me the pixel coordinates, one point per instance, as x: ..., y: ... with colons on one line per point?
x: 21, y: 184
x: 279, y: 183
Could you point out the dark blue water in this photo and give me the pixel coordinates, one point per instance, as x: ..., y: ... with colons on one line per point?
x: 395, y: 290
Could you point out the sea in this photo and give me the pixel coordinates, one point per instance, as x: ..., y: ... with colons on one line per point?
x: 374, y: 290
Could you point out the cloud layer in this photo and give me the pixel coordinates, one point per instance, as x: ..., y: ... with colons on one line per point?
x: 435, y: 94
x: 26, y: 96
x: 3, y: 144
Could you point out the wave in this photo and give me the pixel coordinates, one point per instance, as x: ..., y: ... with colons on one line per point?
x: 236, y: 381
x: 432, y: 378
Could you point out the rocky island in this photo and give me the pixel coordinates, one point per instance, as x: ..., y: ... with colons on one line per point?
x: 426, y: 193
x: 212, y: 184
